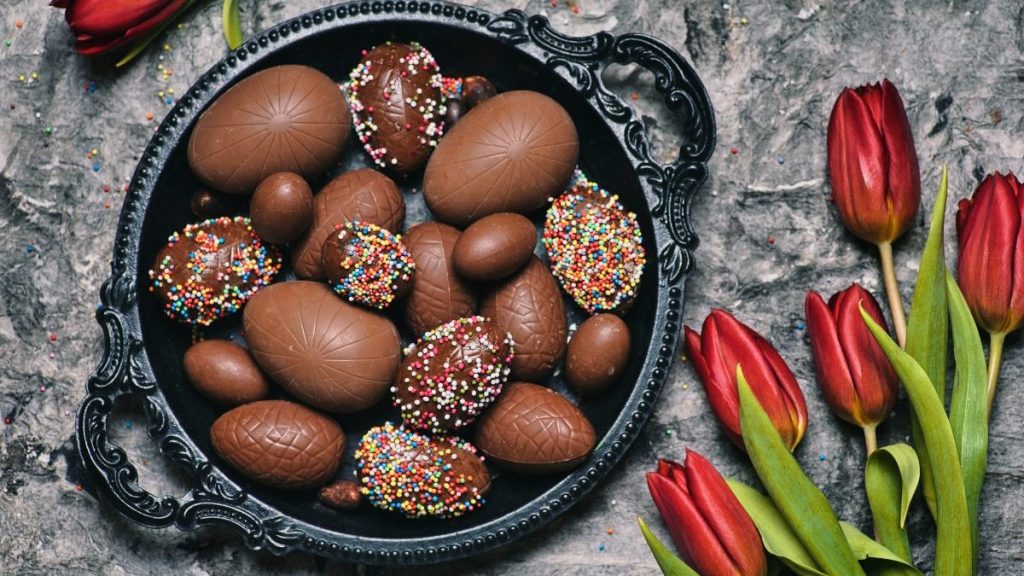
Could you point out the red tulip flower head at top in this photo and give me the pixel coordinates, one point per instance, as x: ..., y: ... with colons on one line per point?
x: 876, y: 183
x: 723, y: 344
x: 712, y: 531
x: 102, y: 25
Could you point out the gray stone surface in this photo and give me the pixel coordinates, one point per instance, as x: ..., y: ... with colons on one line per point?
x: 773, y: 69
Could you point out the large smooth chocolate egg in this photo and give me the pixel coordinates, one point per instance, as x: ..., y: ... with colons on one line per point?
x: 279, y: 443
x: 438, y: 294
x: 509, y: 154
x: 330, y: 354
x: 225, y: 373
x: 597, y: 354
x: 494, y: 246
x: 283, y: 119
x: 529, y: 306
x: 365, y: 195
x: 534, y: 430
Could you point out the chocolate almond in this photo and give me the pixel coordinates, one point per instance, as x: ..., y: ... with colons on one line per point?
x: 494, y: 246
x: 279, y: 443
x: 225, y: 373
x: 438, y: 294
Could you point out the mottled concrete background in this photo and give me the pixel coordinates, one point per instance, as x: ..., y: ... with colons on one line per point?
x: 768, y: 233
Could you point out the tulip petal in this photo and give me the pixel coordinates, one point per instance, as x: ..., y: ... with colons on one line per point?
x: 904, y: 183
x: 834, y: 377
x: 111, y: 17
x: 873, y: 378
x: 717, y: 385
x: 1016, y: 312
x: 793, y: 403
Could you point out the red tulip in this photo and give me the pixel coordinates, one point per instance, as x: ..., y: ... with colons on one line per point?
x: 991, y: 266
x: 726, y: 343
x: 854, y: 375
x: 102, y: 25
x: 876, y: 184
x: 713, y: 532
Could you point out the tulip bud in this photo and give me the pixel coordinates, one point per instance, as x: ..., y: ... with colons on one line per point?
x: 855, y: 377
x: 876, y: 184
x: 725, y: 343
x: 102, y: 25
x: 712, y: 531
x: 991, y: 266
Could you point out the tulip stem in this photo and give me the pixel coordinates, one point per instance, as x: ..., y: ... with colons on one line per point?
x: 995, y: 359
x: 870, y: 438
x: 892, y: 292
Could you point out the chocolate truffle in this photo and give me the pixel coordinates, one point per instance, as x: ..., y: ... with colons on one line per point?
x: 397, y: 105
x: 283, y: 119
x: 597, y: 355
x: 510, y: 154
x: 595, y: 246
x: 451, y: 374
x: 367, y: 264
x: 326, y: 352
x: 535, y: 430
x: 225, y: 373
x: 438, y: 294
x: 494, y: 246
x: 365, y: 195
x: 279, y: 443
x: 529, y: 306
x: 282, y: 207
x: 210, y: 270
x: 419, y: 476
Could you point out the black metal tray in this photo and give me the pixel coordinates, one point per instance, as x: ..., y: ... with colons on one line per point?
x: 143, y: 352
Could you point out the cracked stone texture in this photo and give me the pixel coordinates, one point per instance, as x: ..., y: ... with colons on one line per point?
x: 768, y: 234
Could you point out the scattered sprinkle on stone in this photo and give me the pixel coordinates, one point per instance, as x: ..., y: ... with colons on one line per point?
x: 30, y: 248
x: 600, y: 547
x: 771, y: 239
x: 669, y: 431
x: 7, y: 420
x: 800, y: 325
x: 96, y: 166
x: 822, y: 457
x: 42, y: 388
x: 744, y: 21
x: 52, y: 355
x: 615, y: 502
x: 734, y: 150
x: 781, y: 160
x: 53, y: 337
x: 19, y: 23
x: 149, y: 115
x: 128, y: 424
x: 610, y: 531
x: 78, y: 487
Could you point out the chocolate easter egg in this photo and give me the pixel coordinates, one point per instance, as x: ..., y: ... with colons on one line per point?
x: 279, y: 443
x: 510, y: 154
x: 494, y: 246
x: 420, y: 476
x: 398, y: 110
x: 283, y: 119
x: 330, y: 354
x: 366, y: 264
x: 534, y: 430
x: 438, y: 294
x: 210, y: 269
x: 597, y: 355
x: 282, y: 207
x: 451, y: 374
x: 225, y: 373
x: 365, y: 195
x: 529, y: 306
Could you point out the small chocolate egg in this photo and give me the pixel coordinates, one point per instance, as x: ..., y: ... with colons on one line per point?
x: 598, y: 353
x: 454, y: 110
x: 438, y: 293
x: 225, y: 373
x: 494, y: 246
x: 279, y: 443
x: 534, y: 430
x: 282, y: 207
x: 476, y: 89
x: 366, y: 264
x: 208, y: 204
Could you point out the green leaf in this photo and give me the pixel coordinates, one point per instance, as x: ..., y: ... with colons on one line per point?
x: 928, y: 327
x: 778, y: 538
x: 968, y: 410
x: 669, y: 563
x: 232, y: 24
x: 953, y: 556
x: 146, y: 39
x: 890, y: 479
x: 801, y: 503
x: 867, y: 550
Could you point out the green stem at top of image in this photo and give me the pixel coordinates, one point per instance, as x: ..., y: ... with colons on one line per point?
x: 232, y: 24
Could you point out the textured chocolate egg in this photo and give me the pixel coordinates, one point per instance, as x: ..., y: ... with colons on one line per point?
x: 366, y: 264
x: 281, y: 208
x: 438, y: 294
x: 395, y: 96
x: 225, y: 373
x: 510, y: 154
x: 452, y: 373
x: 494, y: 246
x: 279, y: 443
x: 534, y: 430
x: 529, y: 306
x: 420, y: 476
x: 330, y: 354
x: 365, y: 195
x: 283, y: 119
x: 598, y: 353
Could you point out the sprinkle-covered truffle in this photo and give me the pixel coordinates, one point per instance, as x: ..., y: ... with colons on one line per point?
x: 418, y: 476
x: 210, y: 269
x: 452, y: 373
x: 367, y: 264
x: 595, y: 246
